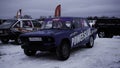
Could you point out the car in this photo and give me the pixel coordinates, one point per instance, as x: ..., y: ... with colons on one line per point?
x: 12, y: 28
x: 59, y: 35
x: 108, y: 27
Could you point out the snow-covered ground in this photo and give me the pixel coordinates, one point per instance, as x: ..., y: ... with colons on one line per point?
x: 104, y: 54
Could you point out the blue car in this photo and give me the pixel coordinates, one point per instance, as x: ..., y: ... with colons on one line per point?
x: 59, y: 35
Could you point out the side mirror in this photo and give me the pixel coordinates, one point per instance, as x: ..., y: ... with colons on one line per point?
x: 72, y: 26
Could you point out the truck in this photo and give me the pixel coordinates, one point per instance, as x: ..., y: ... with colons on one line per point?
x: 108, y: 27
x: 59, y: 35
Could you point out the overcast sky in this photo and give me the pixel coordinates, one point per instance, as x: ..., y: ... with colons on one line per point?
x: 80, y: 8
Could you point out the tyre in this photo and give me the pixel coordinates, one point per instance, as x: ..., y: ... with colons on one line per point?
x: 63, y: 51
x: 101, y: 34
x: 18, y: 41
x: 29, y: 52
x: 90, y: 44
x: 4, y: 41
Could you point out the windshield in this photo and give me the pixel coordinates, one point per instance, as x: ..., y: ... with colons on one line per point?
x: 56, y: 25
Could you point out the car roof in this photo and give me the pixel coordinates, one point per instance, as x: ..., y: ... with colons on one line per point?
x: 25, y: 19
x: 18, y: 19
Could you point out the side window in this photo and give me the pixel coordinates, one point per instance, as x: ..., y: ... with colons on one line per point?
x: 68, y: 24
x: 36, y: 23
x: 17, y: 25
x: 27, y: 24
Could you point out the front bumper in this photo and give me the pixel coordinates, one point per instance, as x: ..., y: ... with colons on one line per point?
x: 8, y: 36
x: 38, y: 46
x: 4, y: 36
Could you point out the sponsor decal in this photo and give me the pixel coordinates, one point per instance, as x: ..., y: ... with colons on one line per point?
x: 80, y: 37
x: 58, y: 11
x: 73, y: 34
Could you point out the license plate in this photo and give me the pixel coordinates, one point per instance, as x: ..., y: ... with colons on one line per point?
x: 35, y: 39
x: 1, y: 31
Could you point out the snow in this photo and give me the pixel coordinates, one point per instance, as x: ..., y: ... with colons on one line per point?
x: 104, y: 54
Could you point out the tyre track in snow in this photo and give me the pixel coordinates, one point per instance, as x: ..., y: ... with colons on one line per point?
x: 104, y: 54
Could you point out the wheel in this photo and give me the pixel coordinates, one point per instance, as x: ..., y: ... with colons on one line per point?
x: 18, y: 41
x: 90, y: 44
x: 101, y: 34
x: 4, y: 41
x: 52, y: 50
x: 29, y: 52
x: 63, y: 51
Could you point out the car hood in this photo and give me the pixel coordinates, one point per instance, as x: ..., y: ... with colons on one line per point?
x: 5, y: 26
x: 43, y: 33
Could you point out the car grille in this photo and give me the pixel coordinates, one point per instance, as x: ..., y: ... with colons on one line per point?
x: 1, y: 32
x: 4, y: 31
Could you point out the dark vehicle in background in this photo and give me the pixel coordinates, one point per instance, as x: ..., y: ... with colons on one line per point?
x: 12, y: 28
x: 108, y: 27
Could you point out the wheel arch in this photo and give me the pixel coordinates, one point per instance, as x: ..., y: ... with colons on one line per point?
x: 66, y: 40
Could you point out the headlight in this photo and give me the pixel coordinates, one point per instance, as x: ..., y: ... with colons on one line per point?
x: 48, y: 39
x: 6, y: 31
x: 35, y: 39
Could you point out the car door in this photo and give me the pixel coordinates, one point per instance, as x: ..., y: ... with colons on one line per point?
x: 77, y: 33
x: 86, y: 30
